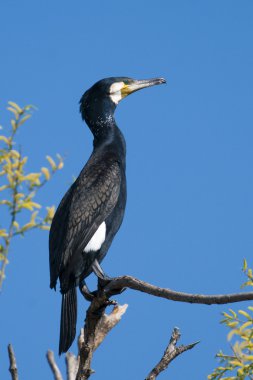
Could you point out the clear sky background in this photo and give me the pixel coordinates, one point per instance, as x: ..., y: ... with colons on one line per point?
x: 189, y: 217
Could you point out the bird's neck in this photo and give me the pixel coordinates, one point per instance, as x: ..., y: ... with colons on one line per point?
x: 107, y: 135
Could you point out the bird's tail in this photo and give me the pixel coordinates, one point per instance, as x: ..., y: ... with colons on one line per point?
x: 68, y: 320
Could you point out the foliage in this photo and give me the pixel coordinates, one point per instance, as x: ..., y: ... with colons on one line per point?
x: 19, y: 187
x: 238, y: 365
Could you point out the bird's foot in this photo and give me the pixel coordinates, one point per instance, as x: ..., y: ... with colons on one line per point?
x: 115, y: 292
x: 111, y: 302
x: 102, y: 286
x: 103, y: 282
x: 85, y: 291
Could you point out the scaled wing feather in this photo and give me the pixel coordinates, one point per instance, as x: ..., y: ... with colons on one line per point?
x: 81, y: 212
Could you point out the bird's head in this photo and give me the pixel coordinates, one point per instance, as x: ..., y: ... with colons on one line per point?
x: 103, y: 97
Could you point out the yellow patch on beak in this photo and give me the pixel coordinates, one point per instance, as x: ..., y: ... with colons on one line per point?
x: 126, y: 90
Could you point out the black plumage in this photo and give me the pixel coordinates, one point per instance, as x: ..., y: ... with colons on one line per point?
x: 92, y: 210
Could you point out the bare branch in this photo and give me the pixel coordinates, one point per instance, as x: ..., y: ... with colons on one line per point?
x: 54, y: 367
x: 98, y: 324
x: 72, y: 364
x: 107, y: 322
x: 13, y: 364
x: 136, y: 284
x: 80, y: 339
x: 170, y: 354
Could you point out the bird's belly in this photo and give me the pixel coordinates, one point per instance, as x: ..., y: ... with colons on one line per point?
x: 97, y: 239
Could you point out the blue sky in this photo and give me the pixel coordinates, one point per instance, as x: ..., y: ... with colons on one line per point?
x: 189, y: 217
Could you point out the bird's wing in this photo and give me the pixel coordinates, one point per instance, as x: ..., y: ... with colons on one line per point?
x: 88, y: 203
x: 57, y: 234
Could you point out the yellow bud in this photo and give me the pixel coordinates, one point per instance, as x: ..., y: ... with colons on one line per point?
x: 13, y: 111
x: 14, y: 153
x: 4, y: 187
x: 33, y: 217
x: 242, y: 312
x: 5, y: 139
x: 13, y: 124
x: 18, y: 196
x: 46, y: 173
x: 3, y: 233
x: 60, y: 165
x: 50, y: 212
x: 23, y: 120
x: 46, y: 228
x: 26, y: 227
x: 52, y: 163
x: 16, y: 225
x: 16, y: 107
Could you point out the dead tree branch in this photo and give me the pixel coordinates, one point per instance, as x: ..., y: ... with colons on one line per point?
x: 136, y: 284
x: 96, y: 323
x: 13, y: 364
x: 170, y: 354
x: 97, y: 326
x: 72, y: 363
x: 54, y: 367
x: 107, y: 322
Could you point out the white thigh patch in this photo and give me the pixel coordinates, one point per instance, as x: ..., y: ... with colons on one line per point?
x: 97, y: 239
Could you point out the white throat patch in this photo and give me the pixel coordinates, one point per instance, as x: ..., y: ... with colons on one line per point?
x: 115, y: 92
x: 97, y: 239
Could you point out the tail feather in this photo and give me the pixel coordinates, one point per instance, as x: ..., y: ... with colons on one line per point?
x: 68, y: 320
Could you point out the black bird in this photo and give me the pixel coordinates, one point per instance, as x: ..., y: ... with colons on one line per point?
x: 92, y: 210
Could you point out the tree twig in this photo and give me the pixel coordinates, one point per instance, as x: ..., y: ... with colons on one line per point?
x: 72, y: 364
x: 136, y: 284
x: 107, y: 323
x: 13, y: 364
x: 54, y: 367
x: 170, y: 354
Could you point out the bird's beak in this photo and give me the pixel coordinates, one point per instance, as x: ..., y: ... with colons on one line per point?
x: 139, y: 84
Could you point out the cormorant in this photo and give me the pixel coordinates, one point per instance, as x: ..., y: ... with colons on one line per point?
x: 92, y: 210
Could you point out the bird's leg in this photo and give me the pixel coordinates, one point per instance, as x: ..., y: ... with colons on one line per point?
x: 103, y: 279
x: 88, y: 295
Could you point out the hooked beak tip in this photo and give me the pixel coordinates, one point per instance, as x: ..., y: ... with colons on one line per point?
x: 162, y: 80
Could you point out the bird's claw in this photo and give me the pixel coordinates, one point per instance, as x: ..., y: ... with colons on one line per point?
x: 87, y: 294
x: 115, y: 292
x: 111, y: 302
x: 103, y: 282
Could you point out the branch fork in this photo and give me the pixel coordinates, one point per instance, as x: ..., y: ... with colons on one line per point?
x: 170, y: 354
